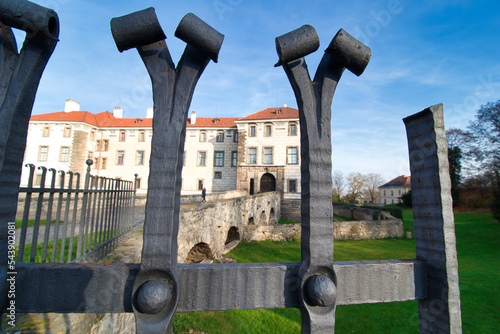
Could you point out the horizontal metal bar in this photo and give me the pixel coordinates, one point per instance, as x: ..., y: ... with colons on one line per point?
x: 72, y: 191
x: 101, y: 288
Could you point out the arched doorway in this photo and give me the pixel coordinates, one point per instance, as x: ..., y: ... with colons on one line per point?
x: 199, y: 253
x: 232, y: 235
x: 267, y: 183
x: 252, y: 186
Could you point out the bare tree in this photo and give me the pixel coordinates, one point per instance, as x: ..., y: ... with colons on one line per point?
x: 355, y: 184
x: 373, y: 181
x: 338, y: 185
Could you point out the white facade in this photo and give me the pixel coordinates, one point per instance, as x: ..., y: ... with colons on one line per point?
x: 214, y: 155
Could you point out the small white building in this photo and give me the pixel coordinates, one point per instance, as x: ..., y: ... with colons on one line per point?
x: 391, y: 192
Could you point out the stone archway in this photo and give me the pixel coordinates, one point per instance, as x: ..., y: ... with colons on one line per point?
x: 272, y: 216
x: 199, y: 253
x: 232, y: 235
x: 267, y: 183
x: 263, y: 218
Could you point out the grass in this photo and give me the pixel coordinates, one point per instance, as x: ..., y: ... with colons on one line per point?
x: 31, y: 222
x: 285, y: 221
x: 342, y: 218
x: 478, y: 247
x: 39, y: 250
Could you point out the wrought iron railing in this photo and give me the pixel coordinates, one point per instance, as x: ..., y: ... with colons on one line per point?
x: 72, y: 223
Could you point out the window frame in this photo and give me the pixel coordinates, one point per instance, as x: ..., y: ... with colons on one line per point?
x: 120, y: 160
x: 250, y: 149
x: 268, y: 130
x: 220, y: 136
x: 217, y: 175
x: 266, y: 155
x: 234, y: 158
x: 62, y: 154
x: 122, y: 136
x: 218, y: 162
x: 252, y: 130
x: 294, y: 187
x: 137, y: 154
x: 141, y: 137
x: 203, y: 136
x: 46, y: 131
x: 67, y: 131
x: 198, y: 160
x: 288, y: 155
x: 45, y: 153
x: 294, y: 124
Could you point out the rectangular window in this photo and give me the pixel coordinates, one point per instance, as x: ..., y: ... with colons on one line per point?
x: 105, y: 145
x: 292, y: 129
x: 67, y: 132
x: 98, y: 145
x: 140, y: 158
x: 234, y: 159
x: 122, y: 136
x: 46, y: 131
x: 252, y: 155
x: 138, y: 183
x: 220, y: 136
x: 202, y: 158
x: 268, y: 155
x: 200, y: 184
x: 219, y: 159
x: 120, y: 157
x: 43, y: 152
x: 64, y: 157
x: 253, y: 130
x: 218, y: 175
x: 203, y: 136
x: 104, y: 163
x: 142, y: 136
x: 235, y: 137
x: 96, y: 163
x: 268, y: 132
x: 293, y: 158
x: 292, y: 186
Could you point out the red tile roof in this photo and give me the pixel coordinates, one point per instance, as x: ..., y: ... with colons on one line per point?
x: 107, y: 120
x: 400, y: 181
x: 272, y: 113
x: 207, y: 122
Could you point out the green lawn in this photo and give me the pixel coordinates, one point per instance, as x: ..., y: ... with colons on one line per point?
x: 478, y: 241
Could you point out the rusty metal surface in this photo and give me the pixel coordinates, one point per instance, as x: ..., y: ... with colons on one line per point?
x: 108, y: 288
x: 19, y: 78
x: 434, y: 221
x: 173, y: 89
x: 314, y: 99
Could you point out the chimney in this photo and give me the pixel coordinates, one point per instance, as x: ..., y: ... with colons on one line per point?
x: 149, y: 113
x: 284, y: 105
x: 193, y: 117
x: 71, y: 106
x: 118, y: 112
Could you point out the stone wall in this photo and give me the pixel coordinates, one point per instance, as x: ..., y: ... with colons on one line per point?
x: 358, y: 213
x: 352, y: 230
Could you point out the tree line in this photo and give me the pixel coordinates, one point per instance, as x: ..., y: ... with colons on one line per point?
x: 474, y: 158
x: 356, y: 187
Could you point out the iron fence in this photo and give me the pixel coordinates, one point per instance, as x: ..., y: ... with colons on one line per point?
x: 74, y: 223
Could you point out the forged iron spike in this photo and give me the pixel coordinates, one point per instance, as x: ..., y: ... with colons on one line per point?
x: 195, y: 32
x: 30, y: 17
x: 136, y: 29
x: 353, y: 54
x: 296, y: 44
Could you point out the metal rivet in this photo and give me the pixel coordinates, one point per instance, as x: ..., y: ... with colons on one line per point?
x: 153, y: 296
x: 321, y: 291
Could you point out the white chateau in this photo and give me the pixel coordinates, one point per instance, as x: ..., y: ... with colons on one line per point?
x: 257, y: 153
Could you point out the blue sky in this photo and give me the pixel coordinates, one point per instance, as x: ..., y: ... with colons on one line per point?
x: 423, y: 53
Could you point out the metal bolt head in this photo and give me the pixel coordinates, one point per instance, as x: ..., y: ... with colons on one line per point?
x: 321, y: 291
x: 153, y: 296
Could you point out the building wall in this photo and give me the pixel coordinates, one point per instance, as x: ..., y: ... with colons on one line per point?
x: 392, y: 195
x: 280, y: 141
